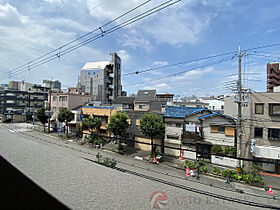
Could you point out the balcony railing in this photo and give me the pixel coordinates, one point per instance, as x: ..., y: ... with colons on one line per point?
x: 190, y: 136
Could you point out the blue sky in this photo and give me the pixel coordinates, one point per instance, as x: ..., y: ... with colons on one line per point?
x: 188, y: 30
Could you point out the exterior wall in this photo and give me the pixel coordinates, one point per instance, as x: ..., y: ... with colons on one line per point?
x: 273, y: 76
x: 224, y: 161
x: 173, y: 130
x: 214, y: 104
x: 218, y: 138
x: 146, y: 147
x: 102, y: 79
x: 100, y: 112
x: 73, y: 101
x: 146, y: 104
x: 18, y: 118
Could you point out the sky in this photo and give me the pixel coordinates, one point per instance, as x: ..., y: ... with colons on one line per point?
x: 185, y: 31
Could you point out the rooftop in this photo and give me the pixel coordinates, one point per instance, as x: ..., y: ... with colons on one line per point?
x: 145, y: 95
x: 100, y: 107
x: 95, y: 65
x: 124, y: 100
x: 217, y: 114
x: 181, y: 111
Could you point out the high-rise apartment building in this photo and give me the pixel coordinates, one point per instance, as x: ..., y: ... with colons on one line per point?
x: 273, y: 76
x: 102, y: 80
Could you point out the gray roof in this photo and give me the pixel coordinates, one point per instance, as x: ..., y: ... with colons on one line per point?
x: 145, y: 95
x: 124, y: 100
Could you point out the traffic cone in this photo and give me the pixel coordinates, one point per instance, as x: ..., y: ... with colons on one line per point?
x: 154, y: 161
x: 182, y: 158
x: 187, y: 170
x: 270, y: 191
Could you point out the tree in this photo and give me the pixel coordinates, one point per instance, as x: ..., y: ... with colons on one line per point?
x: 118, y: 125
x: 152, y: 125
x: 66, y: 116
x: 41, y: 115
x: 91, y: 123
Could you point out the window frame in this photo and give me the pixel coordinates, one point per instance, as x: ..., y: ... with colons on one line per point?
x: 269, y: 134
x: 259, y: 104
x: 271, y: 109
x: 255, y: 132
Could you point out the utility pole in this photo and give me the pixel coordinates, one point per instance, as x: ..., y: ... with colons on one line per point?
x: 239, y: 103
x: 49, y: 112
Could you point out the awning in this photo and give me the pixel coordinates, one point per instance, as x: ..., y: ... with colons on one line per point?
x: 267, y: 152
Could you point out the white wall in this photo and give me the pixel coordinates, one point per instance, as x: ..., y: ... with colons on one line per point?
x: 214, y: 104
x: 224, y: 161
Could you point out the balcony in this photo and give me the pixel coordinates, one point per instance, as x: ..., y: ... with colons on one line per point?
x: 275, y: 81
x: 191, y: 136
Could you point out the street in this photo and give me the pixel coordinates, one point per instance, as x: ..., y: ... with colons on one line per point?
x: 62, y: 170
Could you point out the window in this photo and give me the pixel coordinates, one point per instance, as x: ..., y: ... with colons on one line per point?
x: 63, y: 98
x: 137, y: 122
x: 221, y: 129
x: 178, y: 125
x: 259, y: 108
x: 274, y: 109
x: 129, y: 121
x: 54, y: 98
x: 222, y: 107
x: 274, y: 133
x: 142, y: 106
x: 229, y: 131
x: 173, y: 137
x: 258, y: 132
x: 217, y: 129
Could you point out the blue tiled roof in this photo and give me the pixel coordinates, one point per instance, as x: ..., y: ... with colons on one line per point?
x: 100, y: 107
x: 181, y: 111
x: 216, y: 113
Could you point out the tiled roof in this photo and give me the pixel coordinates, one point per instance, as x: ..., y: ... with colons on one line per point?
x: 124, y: 100
x: 145, y: 95
x: 181, y: 111
x: 100, y: 107
x: 216, y: 113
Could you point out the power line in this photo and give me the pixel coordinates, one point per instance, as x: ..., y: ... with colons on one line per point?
x: 81, y: 37
x: 178, y: 73
x: 113, y: 29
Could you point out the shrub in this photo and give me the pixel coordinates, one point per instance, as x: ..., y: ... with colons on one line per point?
x: 229, y: 172
x: 203, y: 169
x: 217, y: 149
x: 201, y: 163
x: 256, y: 168
x: 216, y: 171
x: 227, y: 150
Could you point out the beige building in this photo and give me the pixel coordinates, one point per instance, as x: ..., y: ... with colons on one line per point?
x: 260, y: 128
x: 70, y: 100
x: 105, y: 113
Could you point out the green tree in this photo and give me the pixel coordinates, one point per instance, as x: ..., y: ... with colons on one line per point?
x: 152, y: 125
x: 66, y: 116
x: 118, y: 125
x: 41, y: 115
x: 91, y: 123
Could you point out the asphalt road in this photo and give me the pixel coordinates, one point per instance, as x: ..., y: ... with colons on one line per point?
x: 62, y: 170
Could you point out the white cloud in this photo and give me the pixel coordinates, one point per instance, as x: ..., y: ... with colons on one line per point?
x: 160, y: 87
x: 9, y: 16
x: 270, y: 31
x: 160, y: 63
x: 53, y: 1
x: 124, y: 56
x: 135, y: 40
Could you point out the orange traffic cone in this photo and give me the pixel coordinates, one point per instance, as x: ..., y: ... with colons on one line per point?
x: 182, y: 158
x: 270, y: 191
x: 154, y: 161
x: 187, y: 170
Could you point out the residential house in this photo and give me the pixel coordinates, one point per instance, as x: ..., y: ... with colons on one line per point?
x: 105, y: 113
x: 260, y: 135
x: 197, y: 130
x: 124, y: 102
